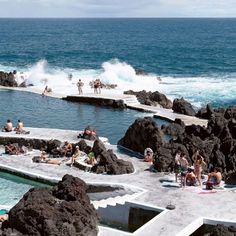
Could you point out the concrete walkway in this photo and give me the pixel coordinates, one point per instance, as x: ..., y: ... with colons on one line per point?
x: 159, y: 112
x: 191, y: 203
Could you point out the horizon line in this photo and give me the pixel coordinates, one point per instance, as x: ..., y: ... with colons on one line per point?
x: 121, y: 17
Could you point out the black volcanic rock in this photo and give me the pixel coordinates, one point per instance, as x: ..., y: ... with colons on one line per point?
x: 205, y: 113
x: 174, y: 129
x: 151, y: 99
x: 216, y: 142
x: 141, y: 134
x: 161, y: 99
x: 7, y: 79
x: 221, y: 230
x: 181, y: 106
x: 230, y: 178
x: 108, y: 161
x: 64, y: 210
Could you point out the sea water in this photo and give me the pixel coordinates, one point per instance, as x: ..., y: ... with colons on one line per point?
x: 195, y: 58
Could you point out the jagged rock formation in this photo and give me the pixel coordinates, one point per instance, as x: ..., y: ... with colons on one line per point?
x: 108, y: 161
x: 7, y: 79
x: 64, y: 210
x: 183, y: 107
x: 151, y: 99
x: 143, y: 133
x: 216, y: 142
x: 174, y: 129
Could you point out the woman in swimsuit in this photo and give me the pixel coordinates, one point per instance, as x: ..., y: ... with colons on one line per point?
x: 198, y: 166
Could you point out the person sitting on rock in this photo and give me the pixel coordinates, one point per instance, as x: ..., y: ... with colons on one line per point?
x: 190, y: 177
x: 66, y: 149
x: 75, y: 155
x: 89, y: 133
x: 214, y: 178
x: 91, y: 160
x: 8, y: 126
x: 11, y: 149
x: 148, y: 155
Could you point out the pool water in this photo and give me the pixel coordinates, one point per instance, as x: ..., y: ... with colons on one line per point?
x: 45, y: 112
x: 14, y: 187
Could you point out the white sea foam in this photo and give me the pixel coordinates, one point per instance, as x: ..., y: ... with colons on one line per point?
x: 198, y: 90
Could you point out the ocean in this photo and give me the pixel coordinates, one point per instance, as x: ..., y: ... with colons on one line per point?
x: 195, y: 58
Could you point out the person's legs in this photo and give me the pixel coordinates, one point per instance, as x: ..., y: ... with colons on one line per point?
x: 199, y: 178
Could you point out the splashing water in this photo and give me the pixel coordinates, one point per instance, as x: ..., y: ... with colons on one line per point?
x: 215, y: 89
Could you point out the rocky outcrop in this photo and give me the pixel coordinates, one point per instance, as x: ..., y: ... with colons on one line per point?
x: 216, y: 142
x: 221, y: 230
x: 181, y: 106
x: 64, y: 210
x: 32, y: 143
x: 230, y: 178
x: 7, y: 79
x: 209, y: 112
x: 84, y: 147
x: 143, y: 133
x: 174, y: 129
x: 151, y: 99
x: 108, y: 161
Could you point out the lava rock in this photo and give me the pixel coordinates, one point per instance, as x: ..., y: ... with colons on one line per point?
x: 174, y: 129
x: 151, y: 99
x: 108, y: 161
x: 7, y: 79
x: 143, y: 133
x: 183, y: 107
x: 64, y: 210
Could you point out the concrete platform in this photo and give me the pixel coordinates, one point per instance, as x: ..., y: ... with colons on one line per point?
x: 191, y: 203
x: 48, y: 134
x: 131, y: 102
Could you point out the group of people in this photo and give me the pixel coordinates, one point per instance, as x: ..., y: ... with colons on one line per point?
x: 97, y: 85
x: 190, y: 175
x: 65, y: 151
x: 19, y: 127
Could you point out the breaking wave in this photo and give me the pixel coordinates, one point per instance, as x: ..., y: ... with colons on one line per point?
x: 216, y: 89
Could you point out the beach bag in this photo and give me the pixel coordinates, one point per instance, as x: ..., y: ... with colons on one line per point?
x: 209, y: 185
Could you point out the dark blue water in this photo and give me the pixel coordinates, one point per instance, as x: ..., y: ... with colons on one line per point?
x: 37, y: 111
x: 163, y: 46
x: 196, y: 58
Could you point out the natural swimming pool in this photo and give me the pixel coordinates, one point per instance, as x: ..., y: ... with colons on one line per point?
x: 14, y: 187
x: 46, y: 112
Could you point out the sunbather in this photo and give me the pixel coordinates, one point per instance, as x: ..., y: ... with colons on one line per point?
x: 44, y: 158
x: 91, y: 160
x: 8, y: 126
x: 214, y: 178
x: 14, y: 149
x: 3, y: 217
x: 19, y: 126
x: 75, y: 155
x: 66, y: 149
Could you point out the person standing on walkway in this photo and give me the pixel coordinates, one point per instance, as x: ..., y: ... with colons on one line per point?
x: 80, y: 84
x: 99, y: 85
x: 198, y: 166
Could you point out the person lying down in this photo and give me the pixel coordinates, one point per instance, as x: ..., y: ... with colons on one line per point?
x: 44, y: 158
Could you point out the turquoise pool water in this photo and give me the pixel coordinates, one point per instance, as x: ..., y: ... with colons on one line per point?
x: 14, y: 187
